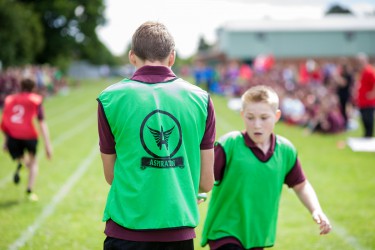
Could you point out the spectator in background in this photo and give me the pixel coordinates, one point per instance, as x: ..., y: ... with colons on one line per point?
x: 327, y: 117
x: 292, y: 109
x: 344, y: 80
x: 365, y: 94
x: 9, y: 84
x: 310, y: 73
x: 49, y: 80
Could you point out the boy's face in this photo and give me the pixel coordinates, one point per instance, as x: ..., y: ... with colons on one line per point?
x: 260, y: 120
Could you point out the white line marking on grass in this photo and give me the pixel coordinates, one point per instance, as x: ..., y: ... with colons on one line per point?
x: 50, y: 208
x: 63, y: 137
x: 5, y: 180
x: 346, y: 237
x: 70, y: 133
x: 224, y: 124
x: 71, y: 115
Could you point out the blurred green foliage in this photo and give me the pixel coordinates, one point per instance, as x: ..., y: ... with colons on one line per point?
x: 54, y: 32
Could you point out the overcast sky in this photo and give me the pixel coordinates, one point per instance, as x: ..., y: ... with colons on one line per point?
x: 187, y: 20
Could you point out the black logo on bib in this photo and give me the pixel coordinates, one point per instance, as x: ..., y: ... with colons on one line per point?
x: 161, y: 137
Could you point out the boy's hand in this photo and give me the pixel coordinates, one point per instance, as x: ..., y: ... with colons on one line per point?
x: 200, y: 201
x: 202, y: 197
x: 320, y: 218
x: 48, y: 152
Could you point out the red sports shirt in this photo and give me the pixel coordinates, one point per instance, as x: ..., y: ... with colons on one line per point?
x: 19, y: 113
x: 366, y: 84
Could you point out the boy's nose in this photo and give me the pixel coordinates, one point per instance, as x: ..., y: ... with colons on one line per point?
x: 257, y: 123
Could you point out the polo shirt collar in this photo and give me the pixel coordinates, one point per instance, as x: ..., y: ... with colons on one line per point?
x: 153, y: 74
x: 257, y: 151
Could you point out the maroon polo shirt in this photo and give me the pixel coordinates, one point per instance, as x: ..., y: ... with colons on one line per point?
x: 294, y: 177
x: 150, y: 74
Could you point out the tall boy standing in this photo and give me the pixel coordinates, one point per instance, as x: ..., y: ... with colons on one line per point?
x: 156, y: 136
x: 365, y: 94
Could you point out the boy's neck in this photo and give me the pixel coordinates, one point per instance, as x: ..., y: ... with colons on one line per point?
x: 149, y: 63
x: 138, y: 62
x: 265, y: 146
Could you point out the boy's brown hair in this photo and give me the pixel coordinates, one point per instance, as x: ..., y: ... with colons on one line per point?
x: 27, y: 85
x: 261, y: 93
x: 152, y: 41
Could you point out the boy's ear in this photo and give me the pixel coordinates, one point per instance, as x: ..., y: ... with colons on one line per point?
x: 171, y: 58
x: 132, y: 58
x: 278, y: 115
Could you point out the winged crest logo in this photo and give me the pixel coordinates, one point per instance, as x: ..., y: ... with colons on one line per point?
x: 161, y: 137
x: 153, y: 139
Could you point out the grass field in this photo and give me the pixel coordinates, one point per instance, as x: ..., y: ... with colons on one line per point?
x: 72, y: 189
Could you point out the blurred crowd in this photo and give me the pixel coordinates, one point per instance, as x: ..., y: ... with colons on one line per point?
x: 318, y: 95
x: 49, y: 80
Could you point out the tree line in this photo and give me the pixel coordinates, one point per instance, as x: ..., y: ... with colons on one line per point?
x: 59, y: 31
x: 54, y: 32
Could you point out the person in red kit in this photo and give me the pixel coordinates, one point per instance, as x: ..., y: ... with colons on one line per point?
x: 17, y: 124
x: 366, y: 94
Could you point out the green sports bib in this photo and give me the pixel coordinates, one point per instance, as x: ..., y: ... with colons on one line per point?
x: 245, y: 203
x: 158, y: 129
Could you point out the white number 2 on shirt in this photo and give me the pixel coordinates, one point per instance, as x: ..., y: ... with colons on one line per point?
x: 18, y: 113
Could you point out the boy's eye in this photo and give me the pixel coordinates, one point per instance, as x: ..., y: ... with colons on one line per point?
x: 250, y: 118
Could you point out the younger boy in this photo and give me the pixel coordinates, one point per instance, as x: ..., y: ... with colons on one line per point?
x: 250, y: 169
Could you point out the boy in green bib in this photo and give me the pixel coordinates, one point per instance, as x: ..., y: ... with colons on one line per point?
x: 250, y: 170
x: 156, y: 137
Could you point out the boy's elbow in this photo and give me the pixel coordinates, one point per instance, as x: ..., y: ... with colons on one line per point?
x: 109, y: 178
x: 109, y: 182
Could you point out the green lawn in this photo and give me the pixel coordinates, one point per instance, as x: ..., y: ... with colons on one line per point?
x: 72, y: 189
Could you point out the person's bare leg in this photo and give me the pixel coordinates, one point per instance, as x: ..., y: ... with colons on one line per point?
x: 32, y: 165
x: 16, y: 177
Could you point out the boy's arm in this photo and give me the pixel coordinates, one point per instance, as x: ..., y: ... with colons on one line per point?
x: 5, y: 147
x: 207, y: 170
x: 206, y: 181
x: 44, y: 131
x: 108, y: 166
x: 308, y: 197
x: 46, y: 139
x: 220, y: 160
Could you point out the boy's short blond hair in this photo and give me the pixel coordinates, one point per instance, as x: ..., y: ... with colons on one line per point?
x: 152, y: 41
x: 261, y: 93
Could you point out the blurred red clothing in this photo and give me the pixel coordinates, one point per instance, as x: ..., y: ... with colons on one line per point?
x: 307, y: 76
x: 19, y: 113
x: 366, y: 84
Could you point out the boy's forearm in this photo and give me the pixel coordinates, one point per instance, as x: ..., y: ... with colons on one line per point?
x: 46, y: 139
x: 307, y: 196
x: 207, y: 170
x: 108, y: 166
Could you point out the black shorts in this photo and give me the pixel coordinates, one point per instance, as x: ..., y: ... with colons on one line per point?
x: 17, y: 147
x: 117, y: 244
